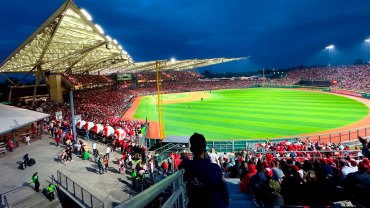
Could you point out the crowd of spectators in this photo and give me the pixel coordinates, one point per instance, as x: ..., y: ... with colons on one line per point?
x: 354, y: 77
x: 301, y: 173
x: 87, y: 80
x: 293, y: 173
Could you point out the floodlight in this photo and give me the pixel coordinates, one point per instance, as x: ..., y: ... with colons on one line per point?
x: 120, y: 47
x: 173, y: 60
x: 367, y: 40
x: 86, y: 14
x: 99, y: 28
x: 329, y: 47
x: 115, y: 41
x: 109, y: 38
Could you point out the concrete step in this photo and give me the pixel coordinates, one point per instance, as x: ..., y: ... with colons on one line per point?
x: 239, y: 204
x: 233, y: 185
x: 36, y: 200
x: 238, y: 199
x: 234, y: 190
x: 241, y: 196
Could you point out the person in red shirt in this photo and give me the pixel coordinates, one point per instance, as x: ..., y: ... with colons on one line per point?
x: 244, y: 184
x: 59, y: 132
x: 57, y: 140
x: 165, y: 167
x: 177, y: 162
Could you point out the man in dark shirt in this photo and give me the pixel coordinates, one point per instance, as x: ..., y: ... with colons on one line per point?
x: 357, y: 184
x: 205, y: 183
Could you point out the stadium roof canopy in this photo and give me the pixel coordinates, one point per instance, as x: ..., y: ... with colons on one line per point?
x: 13, y: 118
x: 69, y: 41
x: 178, y: 65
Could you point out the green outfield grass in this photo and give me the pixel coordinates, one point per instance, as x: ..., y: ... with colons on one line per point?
x: 254, y: 113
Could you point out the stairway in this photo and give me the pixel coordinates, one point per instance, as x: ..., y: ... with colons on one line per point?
x: 238, y: 199
x: 37, y: 200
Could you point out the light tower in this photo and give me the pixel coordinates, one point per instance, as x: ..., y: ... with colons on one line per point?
x: 329, y: 48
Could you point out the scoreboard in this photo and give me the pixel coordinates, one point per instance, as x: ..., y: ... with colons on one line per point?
x: 124, y: 77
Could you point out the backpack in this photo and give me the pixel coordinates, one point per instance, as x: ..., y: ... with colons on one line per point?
x: 31, y: 162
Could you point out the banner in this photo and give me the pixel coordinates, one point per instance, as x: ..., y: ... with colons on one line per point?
x: 59, y: 115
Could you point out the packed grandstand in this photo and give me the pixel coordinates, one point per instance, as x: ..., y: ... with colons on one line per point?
x: 314, y: 168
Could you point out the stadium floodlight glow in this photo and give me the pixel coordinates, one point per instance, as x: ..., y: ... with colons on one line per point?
x: 367, y: 40
x: 115, y: 41
x: 329, y: 47
x: 109, y: 38
x: 173, y: 60
x: 99, y: 28
x: 120, y: 47
x: 86, y: 14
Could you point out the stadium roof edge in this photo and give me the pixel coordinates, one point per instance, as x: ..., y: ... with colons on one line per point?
x: 165, y: 65
x: 68, y: 41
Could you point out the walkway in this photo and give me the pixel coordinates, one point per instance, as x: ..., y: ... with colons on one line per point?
x: 112, y: 188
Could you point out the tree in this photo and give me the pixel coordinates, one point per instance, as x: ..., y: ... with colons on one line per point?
x: 208, y: 74
x: 359, y: 61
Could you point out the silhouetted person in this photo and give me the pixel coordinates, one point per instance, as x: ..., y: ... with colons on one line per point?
x: 25, y: 160
x: 205, y: 183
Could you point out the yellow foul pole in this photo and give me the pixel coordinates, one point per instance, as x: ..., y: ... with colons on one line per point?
x: 159, y: 102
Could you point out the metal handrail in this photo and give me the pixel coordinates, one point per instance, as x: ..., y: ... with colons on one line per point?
x: 4, y: 194
x: 6, y: 204
x: 147, y: 196
x: 19, y: 187
x: 165, y: 154
x: 59, y: 181
x: 164, y: 147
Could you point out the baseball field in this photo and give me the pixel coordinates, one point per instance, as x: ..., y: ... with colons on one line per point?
x: 251, y: 113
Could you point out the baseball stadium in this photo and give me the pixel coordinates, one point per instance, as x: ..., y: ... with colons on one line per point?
x: 170, y: 133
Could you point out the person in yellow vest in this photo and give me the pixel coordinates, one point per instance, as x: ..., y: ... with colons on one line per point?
x: 50, y: 191
x: 35, y: 180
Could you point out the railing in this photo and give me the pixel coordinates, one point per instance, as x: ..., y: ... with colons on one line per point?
x: 237, y: 146
x: 176, y: 199
x: 20, y: 188
x: 313, y: 154
x: 346, y: 136
x: 6, y: 204
x: 163, y: 148
x: 150, y: 142
x: 166, y: 152
x: 78, y: 192
x: 341, y: 136
x: 142, y: 140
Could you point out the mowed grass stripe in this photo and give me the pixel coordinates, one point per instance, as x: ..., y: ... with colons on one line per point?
x: 261, y: 120
x: 225, y: 129
x: 231, y: 106
x: 248, y: 123
x: 256, y: 113
x: 251, y: 125
x: 272, y: 113
x: 281, y: 113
